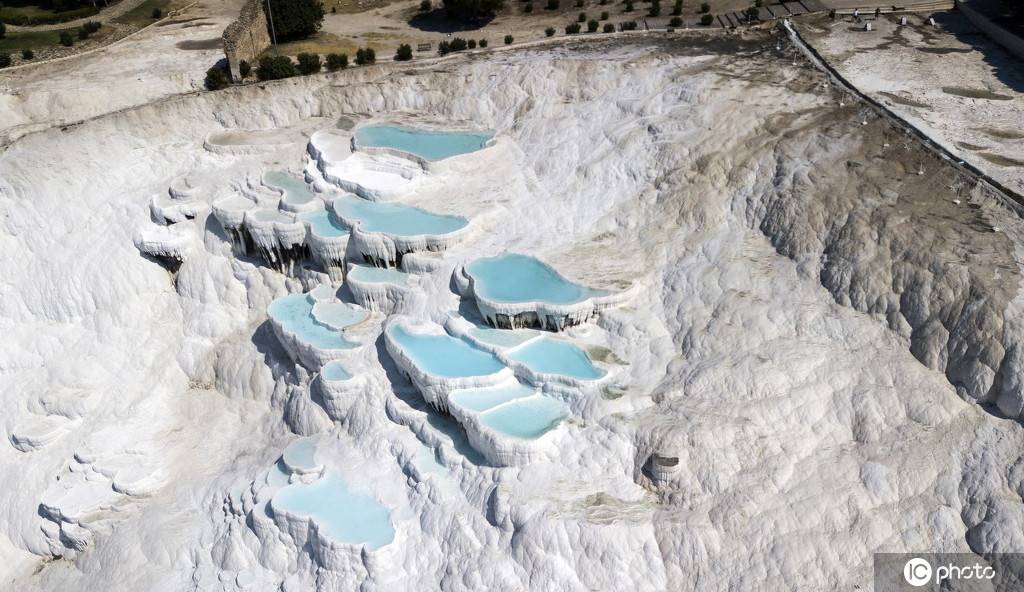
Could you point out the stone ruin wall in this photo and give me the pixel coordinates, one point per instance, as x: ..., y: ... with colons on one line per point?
x: 247, y: 37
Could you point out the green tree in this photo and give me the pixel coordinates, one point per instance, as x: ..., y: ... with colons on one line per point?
x: 677, y: 8
x: 425, y: 6
x: 3, y: 30
x: 365, y: 56
x: 244, y: 69
x: 528, y: 8
x: 66, y: 39
x: 629, y: 7
x: 655, y: 9
x: 705, y: 8
x: 471, y: 43
x: 483, y: 43
x: 582, y: 18
x: 294, y: 19
x: 592, y: 26
x: 752, y: 13
x: 552, y: 5
x: 157, y: 13
x: 27, y: 54
x: 550, y: 31
x: 275, y: 68
x: 309, y: 63
x: 609, y: 28
x: 572, y: 29
x: 675, y: 22
x: 605, y: 15
x: 707, y: 19
x: 337, y: 61
x: 5, y: 60
x: 216, y: 79
x: 509, y: 39
x: 403, y: 53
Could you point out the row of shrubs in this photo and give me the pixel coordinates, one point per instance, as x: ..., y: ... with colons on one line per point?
x: 22, y: 20
x: 66, y: 39
x: 26, y: 54
x: 279, y: 67
x: 459, y: 44
x: 83, y: 33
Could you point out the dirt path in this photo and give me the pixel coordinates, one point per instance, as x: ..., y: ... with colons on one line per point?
x: 107, y: 14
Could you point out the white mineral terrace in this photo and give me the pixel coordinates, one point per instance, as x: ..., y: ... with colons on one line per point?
x: 173, y: 242
x: 315, y: 330
x: 169, y: 208
x: 385, y: 290
x: 514, y: 291
x: 421, y: 144
x: 484, y: 386
x: 371, y: 176
x: 383, y: 233
x: 749, y: 345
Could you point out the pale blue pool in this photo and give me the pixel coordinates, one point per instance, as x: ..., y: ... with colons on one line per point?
x: 295, y: 313
x: 482, y: 399
x: 394, y: 218
x: 527, y: 419
x: 427, y: 144
x: 299, y: 454
x: 519, y: 278
x: 334, y: 372
x: 378, y: 275
x: 295, y: 190
x: 501, y: 337
x: 323, y: 223
x: 444, y: 355
x: 278, y: 475
x: 340, y: 513
x: 554, y: 356
x: 338, y: 315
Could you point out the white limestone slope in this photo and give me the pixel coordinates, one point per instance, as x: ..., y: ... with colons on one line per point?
x: 784, y: 400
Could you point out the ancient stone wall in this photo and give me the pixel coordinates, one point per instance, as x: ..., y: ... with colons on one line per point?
x: 247, y: 37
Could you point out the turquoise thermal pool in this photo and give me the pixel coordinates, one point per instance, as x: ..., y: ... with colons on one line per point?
x: 340, y: 513
x: 501, y: 337
x: 295, y: 314
x: 334, y: 372
x: 295, y: 190
x: 527, y: 418
x: 443, y: 355
x: 394, y: 218
x: 427, y: 144
x: 323, y: 223
x: 484, y: 398
x: 378, y: 275
x: 338, y: 315
x: 554, y: 356
x: 514, y: 278
x: 299, y: 454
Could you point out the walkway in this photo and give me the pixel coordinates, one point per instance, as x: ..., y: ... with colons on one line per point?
x: 107, y: 14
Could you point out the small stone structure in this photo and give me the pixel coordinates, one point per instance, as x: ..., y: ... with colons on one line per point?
x: 247, y: 37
